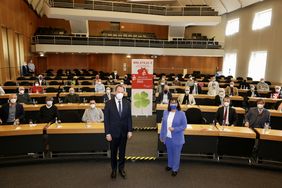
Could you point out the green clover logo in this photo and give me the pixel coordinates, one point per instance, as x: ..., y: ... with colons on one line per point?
x: 141, y: 100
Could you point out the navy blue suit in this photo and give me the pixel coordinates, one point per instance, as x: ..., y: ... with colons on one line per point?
x: 118, y: 127
x: 175, y: 143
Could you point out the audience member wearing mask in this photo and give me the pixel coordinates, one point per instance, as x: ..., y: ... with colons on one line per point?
x: 2, y: 92
x: 226, y: 115
x: 99, y: 86
x: 126, y: 80
x: 93, y: 114
x: 277, y: 94
x: 231, y: 90
x: 164, y: 96
x: 257, y: 116
x: 12, y: 112
x: 213, y: 87
x: 72, y: 97
x: 186, y: 98
x: 108, y: 96
x: 36, y: 88
x: 23, y: 97
x: 196, y: 88
x: 110, y: 81
x: 176, y: 82
x: 244, y: 85
x: 190, y: 82
x: 262, y: 86
x: 49, y: 112
x: 219, y: 98
x: 40, y: 80
x: 252, y: 92
x: 115, y: 75
x: 31, y: 67
x: 162, y: 83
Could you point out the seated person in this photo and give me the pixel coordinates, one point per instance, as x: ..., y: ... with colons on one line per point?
x: 226, y: 115
x: 257, y: 116
x: 108, y: 96
x: 231, y: 90
x: 49, y: 112
x: 164, y: 96
x: 277, y: 94
x: 196, y: 88
x: 12, y: 112
x: 252, y: 92
x: 41, y: 81
x: 279, y: 106
x: 186, y: 98
x: 213, y: 87
x: 72, y: 97
x: 110, y: 81
x: 93, y: 114
x: 176, y: 82
x: 74, y: 81
x: 190, y: 81
x: 99, y: 86
x: 2, y: 92
x: 262, y: 86
x: 23, y: 97
x: 97, y: 78
x: 115, y: 75
x: 219, y: 98
x: 36, y: 88
x: 244, y: 85
x: 163, y: 80
x: 126, y: 80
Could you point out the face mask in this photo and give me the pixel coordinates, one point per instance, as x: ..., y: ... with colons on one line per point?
x: 21, y: 91
x: 49, y: 103
x: 187, y: 91
x: 13, y: 101
x: 231, y: 85
x: 36, y: 85
x: 277, y: 90
x: 121, y: 83
x: 162, y: 83
x: 71, y: 92
x: 165, y: 91
x: 221, y: 94
x: 262, y: 81
x: 92, y: 106
x: 260, y: 106
x: 99, y: 82
x: 119, y: 96
x: 108, y: 91
x: 176, y: 78
x: 252, y: 88
x: 115, y: 73
x: 226, y: 104
x: 173, y: 106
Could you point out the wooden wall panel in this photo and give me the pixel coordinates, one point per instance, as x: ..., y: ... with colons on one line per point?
x: 96, y: 27
x: 55, y: 23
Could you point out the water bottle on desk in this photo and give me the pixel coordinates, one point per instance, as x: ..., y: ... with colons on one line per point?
x: 30, y: 123
x: 266, y: 128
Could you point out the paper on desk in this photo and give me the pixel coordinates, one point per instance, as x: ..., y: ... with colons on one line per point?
x: 18, y: 128
x: 189, y: 127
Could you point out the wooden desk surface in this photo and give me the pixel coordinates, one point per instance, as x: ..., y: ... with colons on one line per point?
x: 274, y: 135
x: 267, y: 100
x: 238, y: 132
x: 67, y: 106
x: 275, y: 113
x: 12, y: 130
x: 203, y: 108
x: 198, y: 129
x: 205, y: 96
x: 76, y: 128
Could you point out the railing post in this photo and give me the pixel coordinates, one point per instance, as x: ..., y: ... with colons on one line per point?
x: 72, y: 3
x: 112, y: 6
x: 149, y: 9
x: 54, y: 40
x: 71, y: 41
x: 200, y: 11
x: 93, y: 5
x: 131, y: 9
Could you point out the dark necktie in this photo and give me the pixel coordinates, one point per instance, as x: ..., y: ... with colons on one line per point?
x: 224, y: 116
x: 119, y: 108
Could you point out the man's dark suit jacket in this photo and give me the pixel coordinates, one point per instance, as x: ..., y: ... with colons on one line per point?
x: 4, y: 112
x: 106, y: 98
x: 114, y: 124
x: 161, y: 96
x: 232, y: 118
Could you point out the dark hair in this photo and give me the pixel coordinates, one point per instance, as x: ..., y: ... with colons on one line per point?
x: 260, y: 100
x: 178, y: 105
x: 227, y: 97
x: 119, y: 85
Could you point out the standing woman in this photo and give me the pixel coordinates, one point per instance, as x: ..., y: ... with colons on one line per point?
x: 172, y: 134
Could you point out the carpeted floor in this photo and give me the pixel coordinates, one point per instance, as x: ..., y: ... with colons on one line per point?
x: 145, y: 174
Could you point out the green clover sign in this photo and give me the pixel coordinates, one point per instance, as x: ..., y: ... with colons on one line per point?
x: 141, y: 100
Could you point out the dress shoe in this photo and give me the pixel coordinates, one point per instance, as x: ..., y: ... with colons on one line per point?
x: 122, y: 173
x: 114, y: 174
x: 173, y: 173
x: 167, y: 168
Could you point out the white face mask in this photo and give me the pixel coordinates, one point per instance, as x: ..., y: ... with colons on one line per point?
x: 119, y: 96
x: 13, y: 101
x: 121, y: 83
x: 176, y: 78
x: 226, y: 104
x: 99, y: 82
x: 231, y: 85
x: 277, y: 90
x: 221, y: 94
x: 21, y: 91
x: 92, y: 106
x: 260, y: 106
x: 36, y: 84
x: 252, y: 88
x: 108, y: 91
x: 187, y: 91
x: 49, y: 103
x: 71, y: 92
x: 115, y: 73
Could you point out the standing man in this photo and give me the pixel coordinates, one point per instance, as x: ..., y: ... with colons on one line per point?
x: 118, y: 128
x: 31, y: 67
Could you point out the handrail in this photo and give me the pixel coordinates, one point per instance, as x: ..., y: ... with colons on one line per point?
x: 136, y: 8
x: 125, y: 42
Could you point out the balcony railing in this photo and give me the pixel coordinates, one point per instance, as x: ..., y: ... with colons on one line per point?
x: 135, y: 8
x: 124, y: 42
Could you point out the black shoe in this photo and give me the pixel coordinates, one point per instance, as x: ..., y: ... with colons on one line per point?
x: 168, y: 168
x: 122, y: 173
x: 173, y: 173
x: 114, y: 174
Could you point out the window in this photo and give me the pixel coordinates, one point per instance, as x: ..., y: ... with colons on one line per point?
x: 232, y: 27
x: 229, y: 64
x: 257, y: 65
x: 262, y: 19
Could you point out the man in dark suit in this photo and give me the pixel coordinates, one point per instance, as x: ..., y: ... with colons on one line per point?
x: 118, y: 128
x: 164, y: 96
x: 226, y: 115
x: 107, y: 96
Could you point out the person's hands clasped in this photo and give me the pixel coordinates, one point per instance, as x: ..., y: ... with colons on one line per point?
x: 129, y: 135
x: 247, y: 124
x: 171, y: 129
x: 109, y: 137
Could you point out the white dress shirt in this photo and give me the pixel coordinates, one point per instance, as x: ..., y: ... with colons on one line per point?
x: 118, y: 103
x: 169, y: 123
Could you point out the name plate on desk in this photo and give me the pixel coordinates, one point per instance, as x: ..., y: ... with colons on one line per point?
x: 76, y: 128
x: 239, y: 132
x: 12, y: 130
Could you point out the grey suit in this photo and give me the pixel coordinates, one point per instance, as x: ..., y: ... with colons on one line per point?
x: 256, y: 119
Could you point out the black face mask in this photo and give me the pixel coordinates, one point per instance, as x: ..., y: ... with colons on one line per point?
x: 165, y: 91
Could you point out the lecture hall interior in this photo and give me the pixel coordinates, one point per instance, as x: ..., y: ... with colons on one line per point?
x: 140, y: 93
